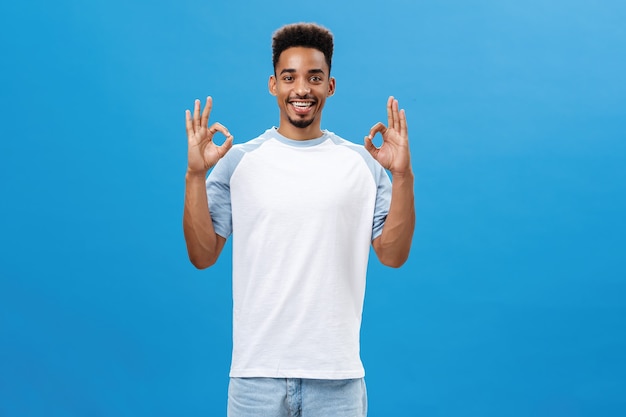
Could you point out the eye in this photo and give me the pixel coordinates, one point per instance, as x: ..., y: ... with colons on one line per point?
x: 316, y: 79
x: 287, y: 78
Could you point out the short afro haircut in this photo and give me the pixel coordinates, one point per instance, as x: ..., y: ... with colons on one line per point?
x: 308, y: 35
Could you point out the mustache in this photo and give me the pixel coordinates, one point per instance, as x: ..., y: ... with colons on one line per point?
x: 304, y: 97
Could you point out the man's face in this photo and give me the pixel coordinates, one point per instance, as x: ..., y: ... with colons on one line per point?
x: 301, y: 84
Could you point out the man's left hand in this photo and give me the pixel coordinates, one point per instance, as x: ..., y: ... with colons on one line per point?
x: 394, y: 153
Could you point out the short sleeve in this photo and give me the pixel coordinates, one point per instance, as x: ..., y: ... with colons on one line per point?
x: 383, y: 201
x: 218, y: 194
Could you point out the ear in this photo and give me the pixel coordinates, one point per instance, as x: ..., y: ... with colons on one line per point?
x: 271, y: 85
x: 331, y: 86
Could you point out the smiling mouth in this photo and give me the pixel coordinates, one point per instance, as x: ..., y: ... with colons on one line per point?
x: 301, y: 107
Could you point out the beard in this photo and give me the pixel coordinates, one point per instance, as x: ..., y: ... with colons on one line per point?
x: 302, y: 123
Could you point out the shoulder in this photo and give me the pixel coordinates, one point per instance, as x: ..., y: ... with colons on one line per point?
x: 252, y: 144
x: 372, y: 164
x: 378, y: 173
x: 229, y: 162
x: 239, y: 150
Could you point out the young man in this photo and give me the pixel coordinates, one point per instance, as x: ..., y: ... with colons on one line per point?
x: 303, y: 206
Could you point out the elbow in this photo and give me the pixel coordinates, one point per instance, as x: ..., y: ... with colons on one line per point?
x: 202, y: 262
x: 202, y: 256
x: 392, y: 254
x: 390, y: 257
x: 200, y: 265
x: 395, y: 261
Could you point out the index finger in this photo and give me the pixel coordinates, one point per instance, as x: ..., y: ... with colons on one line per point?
x: 377, y: 128
x: 218, y: 127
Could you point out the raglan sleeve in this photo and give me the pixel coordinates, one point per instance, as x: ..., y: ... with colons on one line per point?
x: 383, y: 200
x: 218, y: 195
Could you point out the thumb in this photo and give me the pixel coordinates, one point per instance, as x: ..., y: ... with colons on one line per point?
x: 228, y: 143
x: 369, y: 145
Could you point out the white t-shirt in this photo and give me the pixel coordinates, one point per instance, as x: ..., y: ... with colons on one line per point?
x: 302, y: 215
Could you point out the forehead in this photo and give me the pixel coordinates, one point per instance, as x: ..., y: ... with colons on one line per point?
x: 301, y: 58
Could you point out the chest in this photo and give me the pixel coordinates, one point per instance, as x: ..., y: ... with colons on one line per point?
x: 284, y: 182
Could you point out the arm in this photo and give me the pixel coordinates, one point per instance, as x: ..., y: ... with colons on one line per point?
x: 393, y: 245
x: 203, y: 244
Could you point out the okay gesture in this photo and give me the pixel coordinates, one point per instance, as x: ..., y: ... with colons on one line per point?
x: 394, y: 152
x: 202, y: 152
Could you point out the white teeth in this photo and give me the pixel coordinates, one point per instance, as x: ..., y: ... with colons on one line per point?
x: 301, y: 104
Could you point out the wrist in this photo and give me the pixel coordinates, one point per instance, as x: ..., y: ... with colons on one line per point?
x: 195, y: 174
x: 402, y: 175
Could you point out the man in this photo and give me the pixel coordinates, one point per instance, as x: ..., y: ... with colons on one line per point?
x: 303, y: 206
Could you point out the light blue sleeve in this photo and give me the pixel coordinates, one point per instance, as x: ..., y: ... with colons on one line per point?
x: 382, y: 181
x: 383, y: 200
x: 218, y: 192
x: 383, y: 186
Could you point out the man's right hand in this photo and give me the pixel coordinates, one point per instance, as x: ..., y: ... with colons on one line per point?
x: 202, y: 152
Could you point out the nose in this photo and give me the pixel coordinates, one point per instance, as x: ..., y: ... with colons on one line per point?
x: 302, y: 88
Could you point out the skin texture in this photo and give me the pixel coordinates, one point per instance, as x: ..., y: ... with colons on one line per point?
x: 203, y: 244
x: 301, y: 75
x: 393, y: 245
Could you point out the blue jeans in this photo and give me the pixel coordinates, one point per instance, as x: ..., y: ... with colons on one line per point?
x: 294, y: 397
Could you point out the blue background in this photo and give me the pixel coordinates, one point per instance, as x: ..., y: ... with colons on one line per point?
x: 513, y: 300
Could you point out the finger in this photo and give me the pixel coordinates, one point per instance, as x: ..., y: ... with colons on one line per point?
x: 188, y: 123
x: 389, y: 111
x: 370, y: 147
x: 395, y: 115
x: 207, y: 110
x: 218, y: 127
x: 404, y: 131
x: 228, y: 143
x: 196, y: 114
x: 377, y: 128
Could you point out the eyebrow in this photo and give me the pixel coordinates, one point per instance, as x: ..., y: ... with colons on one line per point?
x: 311, y: 71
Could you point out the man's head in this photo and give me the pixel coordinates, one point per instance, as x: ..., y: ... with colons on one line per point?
x: 301, y: 81
x: 308, y: 35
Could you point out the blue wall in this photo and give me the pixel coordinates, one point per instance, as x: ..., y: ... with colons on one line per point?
x: 512, y: 303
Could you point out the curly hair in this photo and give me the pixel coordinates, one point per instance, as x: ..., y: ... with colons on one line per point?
x: 309, y: 35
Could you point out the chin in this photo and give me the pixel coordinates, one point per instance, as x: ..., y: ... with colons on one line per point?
x: 302, y: 123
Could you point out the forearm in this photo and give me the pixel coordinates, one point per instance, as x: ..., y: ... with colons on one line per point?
x: 393, y: 245
x: 203, y: 244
